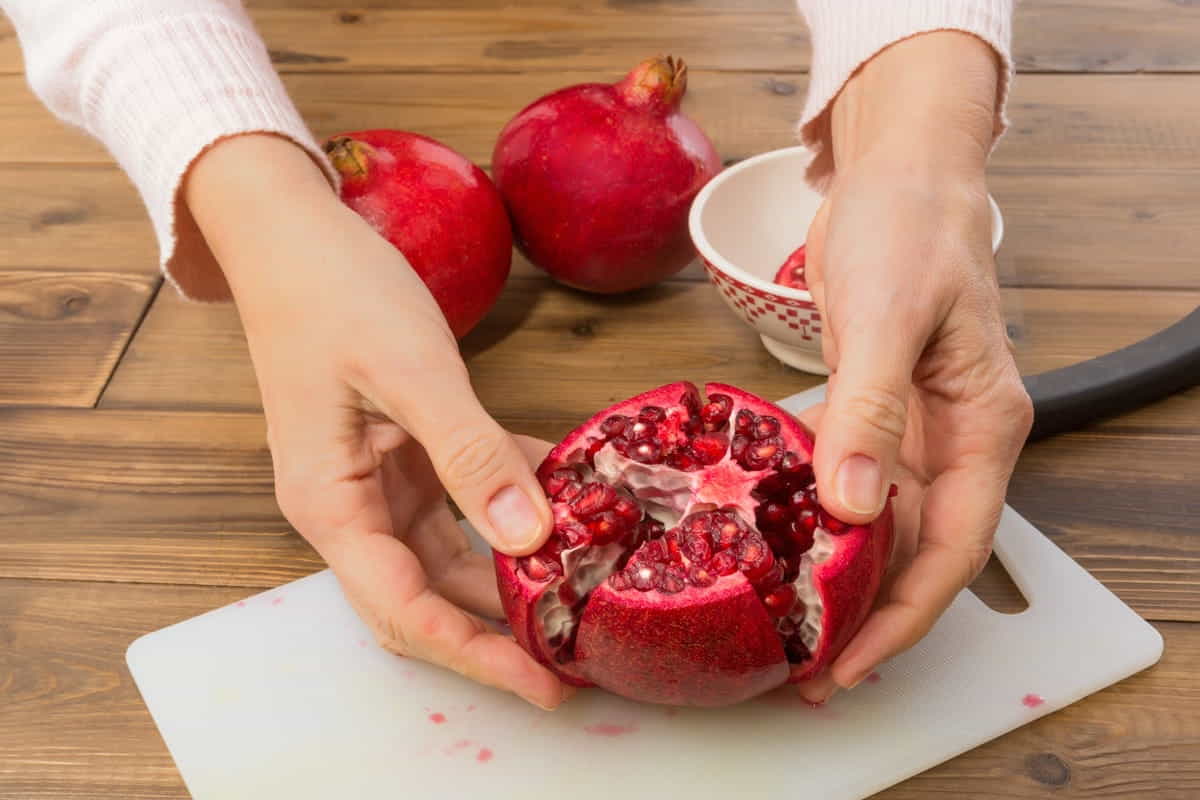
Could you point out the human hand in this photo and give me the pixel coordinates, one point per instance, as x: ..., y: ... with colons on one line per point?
x: 371, y: 416
x: 924, y: 391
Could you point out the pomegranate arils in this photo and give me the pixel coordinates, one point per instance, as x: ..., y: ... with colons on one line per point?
x: 744, y: 422
x: 830, y: 523
x: 710, y: 448
x: 791, y: 462
x: 559, y: 479
x: 723, y: 563
x: 642, y: 577
x: 716, y: 412
x: 614, y: 425
x: 765, y: 427
x: 628, y: 510
x: 592, y: 449
x: 696, y: 547
x: 737, y: 447
x: 594, y: 498
x: 672, y: 580
x: 779, y: 602
x: 803, y: 500
x: 755, y: 559
x: 654, y: 550
x: 683, y: 462
x: 540, y: 569
x: 773, y: 516
x: 701, y: 577
x: 573, y: 534
x: 606, y: 527
x: 729, y: 531
x: 763, y: 454
x: 652, y: 414
x: 620, y: 581
x: 647, y: 452
x: 641, y: 431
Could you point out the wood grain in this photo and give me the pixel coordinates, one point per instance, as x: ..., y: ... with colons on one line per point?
x: 61, y: 333
x: 74, y: 725
x: 551, y: 352
x: 550, y: 35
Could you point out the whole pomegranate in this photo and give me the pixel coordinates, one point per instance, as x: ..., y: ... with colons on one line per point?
x: 691, y: 562
x: 440, y: 210
x: 791, y: 274
x: 599, y: 179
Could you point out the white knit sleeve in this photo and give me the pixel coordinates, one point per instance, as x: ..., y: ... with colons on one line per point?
x: 158, y: 81
x: 847, y: 33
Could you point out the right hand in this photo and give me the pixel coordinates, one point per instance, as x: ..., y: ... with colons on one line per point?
x: 371, y: 416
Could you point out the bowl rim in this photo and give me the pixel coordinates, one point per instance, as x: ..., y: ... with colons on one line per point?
x: 709, y: 253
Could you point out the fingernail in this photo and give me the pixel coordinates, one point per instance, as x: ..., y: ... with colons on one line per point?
x: 513, y: 518
x: 859, y: 484
x: 856, y: 680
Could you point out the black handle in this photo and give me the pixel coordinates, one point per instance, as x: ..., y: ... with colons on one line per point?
x: 1071, y: 397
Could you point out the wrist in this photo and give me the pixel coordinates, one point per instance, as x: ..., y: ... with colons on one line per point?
x: 250, y: 192
x: 927, y: 102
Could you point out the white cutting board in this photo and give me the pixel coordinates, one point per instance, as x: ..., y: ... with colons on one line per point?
x: 285, y: 695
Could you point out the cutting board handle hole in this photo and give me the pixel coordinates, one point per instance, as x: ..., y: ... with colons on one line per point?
x: 996, y: 589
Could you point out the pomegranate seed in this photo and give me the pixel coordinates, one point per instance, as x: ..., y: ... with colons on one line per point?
x: 763, y: 454
x: 803, y: 500
x: 619, y: 581
x: 594, y: 498
x: 655, y: 550
x: 683, y: 461
x: 780, y: 601
x: 710, y: 447
x: 646, y: 452
x: 792, y: 569
x: 643, y: 577
x: 652, y: 414
x: 592, y: 449
x: 730, y: 531
x: 627, y: 509
x: 716, y: 412
x: 641, y: 431
x: 724, y: 563
x: 893, y: 490
x: 573, y: 534
x: 606, y: 527
x: 613, y: 426
x: 773, y: 516
x: 830, y: 523
x: 701, y: 576
x: 620, y: 444
x: 737, y: 448
x: 672, y: 580
x: 801, y: 531
x: 773, y: 578
x: 697, y: 547
x: 744, y: 422
x: 791, y: 462
x: 569, y: 492
x: 540, y: 569
x: 765, y: 427
x: 755, y: 559
x: 672, y: 540
x: 559, y: 478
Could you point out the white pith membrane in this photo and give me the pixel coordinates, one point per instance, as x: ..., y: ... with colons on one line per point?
x: 671, y: 496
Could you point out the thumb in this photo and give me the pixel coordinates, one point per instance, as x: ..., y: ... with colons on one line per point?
x: 479, y: 463
x: 864, y: 422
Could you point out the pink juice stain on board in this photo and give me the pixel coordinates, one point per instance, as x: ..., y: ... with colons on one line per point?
x: 874, y: 677
x: 1032, y: 700
x: 437, y: 718
x: 609, y: 729
x: 484, y: 755
x: 241, y: 603
x: 277, y: 601
x: 471, y: 707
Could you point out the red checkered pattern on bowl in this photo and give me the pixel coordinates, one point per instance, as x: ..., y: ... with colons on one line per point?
x: 753, y: 303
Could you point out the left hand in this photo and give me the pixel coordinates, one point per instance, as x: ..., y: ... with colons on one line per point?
x: 924, y: 391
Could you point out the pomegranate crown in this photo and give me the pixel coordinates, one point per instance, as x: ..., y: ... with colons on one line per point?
x: 659, y: 81
x: 350, y: 157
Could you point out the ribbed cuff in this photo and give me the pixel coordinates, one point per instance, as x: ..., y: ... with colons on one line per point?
x: 847, y: 33
x: 159, y: 93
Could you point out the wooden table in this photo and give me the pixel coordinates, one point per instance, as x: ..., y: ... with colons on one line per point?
x: 135, y: 486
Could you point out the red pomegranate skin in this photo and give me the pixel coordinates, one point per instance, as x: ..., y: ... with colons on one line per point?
x: 709, y: 643
x: 437, y: 208
x: 792, y: 273
x: 599, y: 179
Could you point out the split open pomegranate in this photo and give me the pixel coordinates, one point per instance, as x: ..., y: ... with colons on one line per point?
x: 691, y: 561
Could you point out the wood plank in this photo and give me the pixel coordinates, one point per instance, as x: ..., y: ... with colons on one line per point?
x: 193, y: 356
x: 550, y: 35
x: 1059, y: 122
x: 61, y: 333
x: 1096, y: 177
x: 75, y: 727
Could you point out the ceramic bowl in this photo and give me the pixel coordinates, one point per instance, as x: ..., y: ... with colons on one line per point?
x: 745, y: 223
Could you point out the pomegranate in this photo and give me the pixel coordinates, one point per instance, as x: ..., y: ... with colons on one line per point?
x: 691, y: 562
x: 440, y: 210
x: 599, y: 179
x: 791, y: 274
